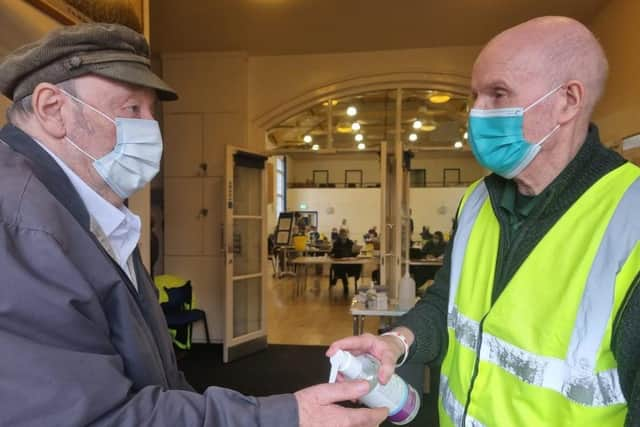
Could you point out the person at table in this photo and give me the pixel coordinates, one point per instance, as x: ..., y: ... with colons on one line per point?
x: 343, y: 248
x: 435, y: 247
x: 425, y: 233
x: 313, y: 234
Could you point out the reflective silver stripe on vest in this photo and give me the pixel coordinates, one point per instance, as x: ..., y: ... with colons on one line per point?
x: 621, y: 236
x: 453, y: 407
x: 587, y: 388
x: 466, y: 220
x: 575, y: 377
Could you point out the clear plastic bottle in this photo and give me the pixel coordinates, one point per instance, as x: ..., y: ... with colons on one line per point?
x: 402, y: 400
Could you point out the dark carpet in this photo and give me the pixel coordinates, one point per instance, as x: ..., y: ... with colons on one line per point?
x: 278, y: 369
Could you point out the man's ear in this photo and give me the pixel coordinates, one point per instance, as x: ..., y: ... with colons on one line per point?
x: 47, y: 102
x: 573, y: 101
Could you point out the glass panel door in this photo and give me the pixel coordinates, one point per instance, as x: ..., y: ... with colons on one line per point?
x: 245, y: 254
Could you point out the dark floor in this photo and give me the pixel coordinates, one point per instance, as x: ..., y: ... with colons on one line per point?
x: 278, y: 369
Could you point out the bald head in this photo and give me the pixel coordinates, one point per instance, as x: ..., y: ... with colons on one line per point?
x: 555, y: 50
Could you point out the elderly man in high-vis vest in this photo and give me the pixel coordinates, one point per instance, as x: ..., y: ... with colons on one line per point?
x: 535, y: 314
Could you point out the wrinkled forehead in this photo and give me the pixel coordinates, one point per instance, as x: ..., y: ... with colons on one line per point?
x: 510, y: 62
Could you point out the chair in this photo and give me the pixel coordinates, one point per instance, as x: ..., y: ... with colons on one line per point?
x: 180, y: 314
x: 300, y: 243
x: 343, y: 272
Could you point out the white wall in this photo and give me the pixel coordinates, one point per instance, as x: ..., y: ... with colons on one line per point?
x: 434, y: 207
x: 360, y: 206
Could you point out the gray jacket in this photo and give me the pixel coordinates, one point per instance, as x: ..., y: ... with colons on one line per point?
x: 78, y: 345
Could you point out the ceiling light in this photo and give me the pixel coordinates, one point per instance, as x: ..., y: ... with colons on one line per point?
x: 351, y: 111
x: 307, y: 139
x: 343, y: 127
x: 315, y: 147
x: 466, y: 135
x: 355, y: 126
x: 457, y: 145
x: 413, y: 137
x: 429, y: 125
x: 334, y: 102
x: 417, y: 124
x: 439, y: 98
x: 359, y: 137
x: 361, y: 146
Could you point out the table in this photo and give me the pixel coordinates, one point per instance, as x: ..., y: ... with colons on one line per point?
x: 359, y: 312
x: 434, y: 262
x: 306, y: 261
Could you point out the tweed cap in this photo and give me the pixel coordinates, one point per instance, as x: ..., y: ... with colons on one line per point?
x: 108, y: 50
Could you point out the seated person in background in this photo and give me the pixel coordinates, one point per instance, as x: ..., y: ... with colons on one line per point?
x: 343, y: 248
x: 435, y: 247
x: 334, y: 235
x: 371, y: 235
x: 425, y: 233
x: 313, y: 234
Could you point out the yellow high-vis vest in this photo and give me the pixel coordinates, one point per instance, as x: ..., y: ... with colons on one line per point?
x: 541, y: 354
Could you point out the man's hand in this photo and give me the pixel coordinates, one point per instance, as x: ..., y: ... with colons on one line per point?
x: 316, y: 406
x: 387, y: 349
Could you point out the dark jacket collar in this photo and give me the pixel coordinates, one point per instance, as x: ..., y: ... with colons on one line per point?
x: 592, y: 162
x: 47, y: 171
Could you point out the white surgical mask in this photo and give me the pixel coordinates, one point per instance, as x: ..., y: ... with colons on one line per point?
x: 134, y: 160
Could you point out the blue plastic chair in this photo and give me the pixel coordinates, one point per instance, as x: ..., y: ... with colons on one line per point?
x: 179, y: 311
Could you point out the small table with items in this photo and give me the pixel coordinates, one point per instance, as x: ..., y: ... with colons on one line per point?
x: 359, y: 312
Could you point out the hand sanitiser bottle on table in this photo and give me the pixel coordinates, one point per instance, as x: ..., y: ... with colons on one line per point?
x: 400, y: 398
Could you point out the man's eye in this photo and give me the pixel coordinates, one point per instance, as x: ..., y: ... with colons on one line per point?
x: 135, y: 109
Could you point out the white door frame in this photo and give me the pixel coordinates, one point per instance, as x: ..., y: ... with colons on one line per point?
x: 235, y: 347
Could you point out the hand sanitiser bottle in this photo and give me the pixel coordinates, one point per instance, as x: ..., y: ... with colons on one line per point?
x: 400, y: 398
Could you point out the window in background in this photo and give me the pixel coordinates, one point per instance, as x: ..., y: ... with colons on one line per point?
x: 281, y: 185
x: 418, y: 178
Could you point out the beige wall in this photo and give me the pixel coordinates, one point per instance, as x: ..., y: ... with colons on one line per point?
x: 434, y: 208
x: 433, y: 162
x: 618, y: 114
x: 210, y: 114
x: 20, y: 23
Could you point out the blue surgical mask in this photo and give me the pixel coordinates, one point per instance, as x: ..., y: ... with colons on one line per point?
x: 134, y: 160
x: 497, y: 139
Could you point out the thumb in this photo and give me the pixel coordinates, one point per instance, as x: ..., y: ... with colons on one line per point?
x: 340, y: 392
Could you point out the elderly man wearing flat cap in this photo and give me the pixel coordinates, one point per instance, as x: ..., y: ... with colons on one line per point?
x: 83, y: 340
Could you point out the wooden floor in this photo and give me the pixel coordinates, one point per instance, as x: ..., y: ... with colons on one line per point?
x: 314, y: 318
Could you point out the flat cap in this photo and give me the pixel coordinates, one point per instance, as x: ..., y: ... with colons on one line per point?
x: 108, y: 50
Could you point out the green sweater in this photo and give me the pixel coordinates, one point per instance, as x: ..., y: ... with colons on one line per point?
x: 523, y: 223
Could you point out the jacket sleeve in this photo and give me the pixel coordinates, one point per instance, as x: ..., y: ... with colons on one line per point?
x: 58, y: 366
x: 626, y: 349
x: 428, y: 319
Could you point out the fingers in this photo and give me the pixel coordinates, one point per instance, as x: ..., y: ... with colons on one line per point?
x: 356, y: 345
x: 385, y: 372
x: 338, y: 392
x: 367, y: 417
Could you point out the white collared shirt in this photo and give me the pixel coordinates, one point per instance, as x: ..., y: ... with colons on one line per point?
x: 120, y: 225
